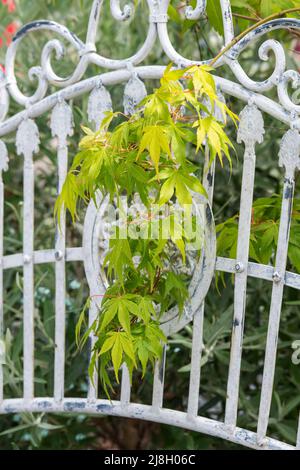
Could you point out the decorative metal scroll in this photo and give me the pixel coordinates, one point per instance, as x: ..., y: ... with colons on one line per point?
x: 158, y: 20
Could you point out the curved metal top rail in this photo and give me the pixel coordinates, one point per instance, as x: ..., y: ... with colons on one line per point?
x: 287, y: 111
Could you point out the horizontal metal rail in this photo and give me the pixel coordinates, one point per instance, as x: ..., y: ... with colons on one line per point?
x: 227, y: 265
x: 148, y: 72
x: 143, y: 412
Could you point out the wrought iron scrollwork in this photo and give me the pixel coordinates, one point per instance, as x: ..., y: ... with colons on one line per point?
x: 45, y: 75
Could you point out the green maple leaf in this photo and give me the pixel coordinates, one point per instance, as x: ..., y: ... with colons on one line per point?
x: 156, y: 141
x: 118, y: 258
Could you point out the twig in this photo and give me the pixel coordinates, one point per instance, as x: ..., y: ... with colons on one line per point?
x: 252, y: 28
x: 157, y: 279
x: 195, y: 30
x: 244, y: 17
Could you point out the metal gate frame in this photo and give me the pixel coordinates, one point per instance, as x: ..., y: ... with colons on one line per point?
x: 250, y: 133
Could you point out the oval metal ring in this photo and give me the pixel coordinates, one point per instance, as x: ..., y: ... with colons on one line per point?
x: 171, y: 321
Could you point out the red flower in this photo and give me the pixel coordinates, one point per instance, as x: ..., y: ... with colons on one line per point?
x: 11, y: 6
x: 11, y: 29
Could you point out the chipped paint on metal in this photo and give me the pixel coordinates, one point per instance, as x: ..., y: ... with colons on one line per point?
x: 250, y: 132
x: 71, y: 406
x: 289, y: 159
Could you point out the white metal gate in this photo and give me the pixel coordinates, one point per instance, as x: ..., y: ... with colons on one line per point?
x: 250, y: 133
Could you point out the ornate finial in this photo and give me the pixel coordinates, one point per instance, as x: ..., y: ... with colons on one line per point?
x: 27, y: 139
x: 251, y: 126
x: 3, y: 157
x: 99, y: 103
x: 62, y: 122
x: 135, y: 91
x: 289, y: 154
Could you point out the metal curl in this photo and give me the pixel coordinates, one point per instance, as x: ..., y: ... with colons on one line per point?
x: 162, y: 30
x: 273, y: 25
x: 35, y: 72
x: 279, y: 77
x: 118, y: 13
x: 52, y: 46
x: 114, y: 64
x: 280, y: 64
x: 57, y: 46
x: 282, y: 90
x: 173, y: 55
x: 197, y: 12
x: 87, y: 54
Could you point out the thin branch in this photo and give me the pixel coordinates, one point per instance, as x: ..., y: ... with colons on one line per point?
x: 195, y: 30
x: 244, y: 17
x: 252, y: 28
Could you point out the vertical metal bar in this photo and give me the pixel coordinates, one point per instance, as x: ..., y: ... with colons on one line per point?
x: 27, y: 142
x: 197, y: 341
x: 125, y: 386
x: 289, y: 157
x: 99, y: 102
x: 197, y: 344
x: 93, y: 22
x: 92, y: 222
x: 298, y: 434
x: 60, y: 284
x: 61, y: 127
x: 28, y: 282
x: 275, y: 311
x: 3, y: 167
x: 93, y: 381
x: 158, y: 382
x: 250, y: 116
x: 227, y: 21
